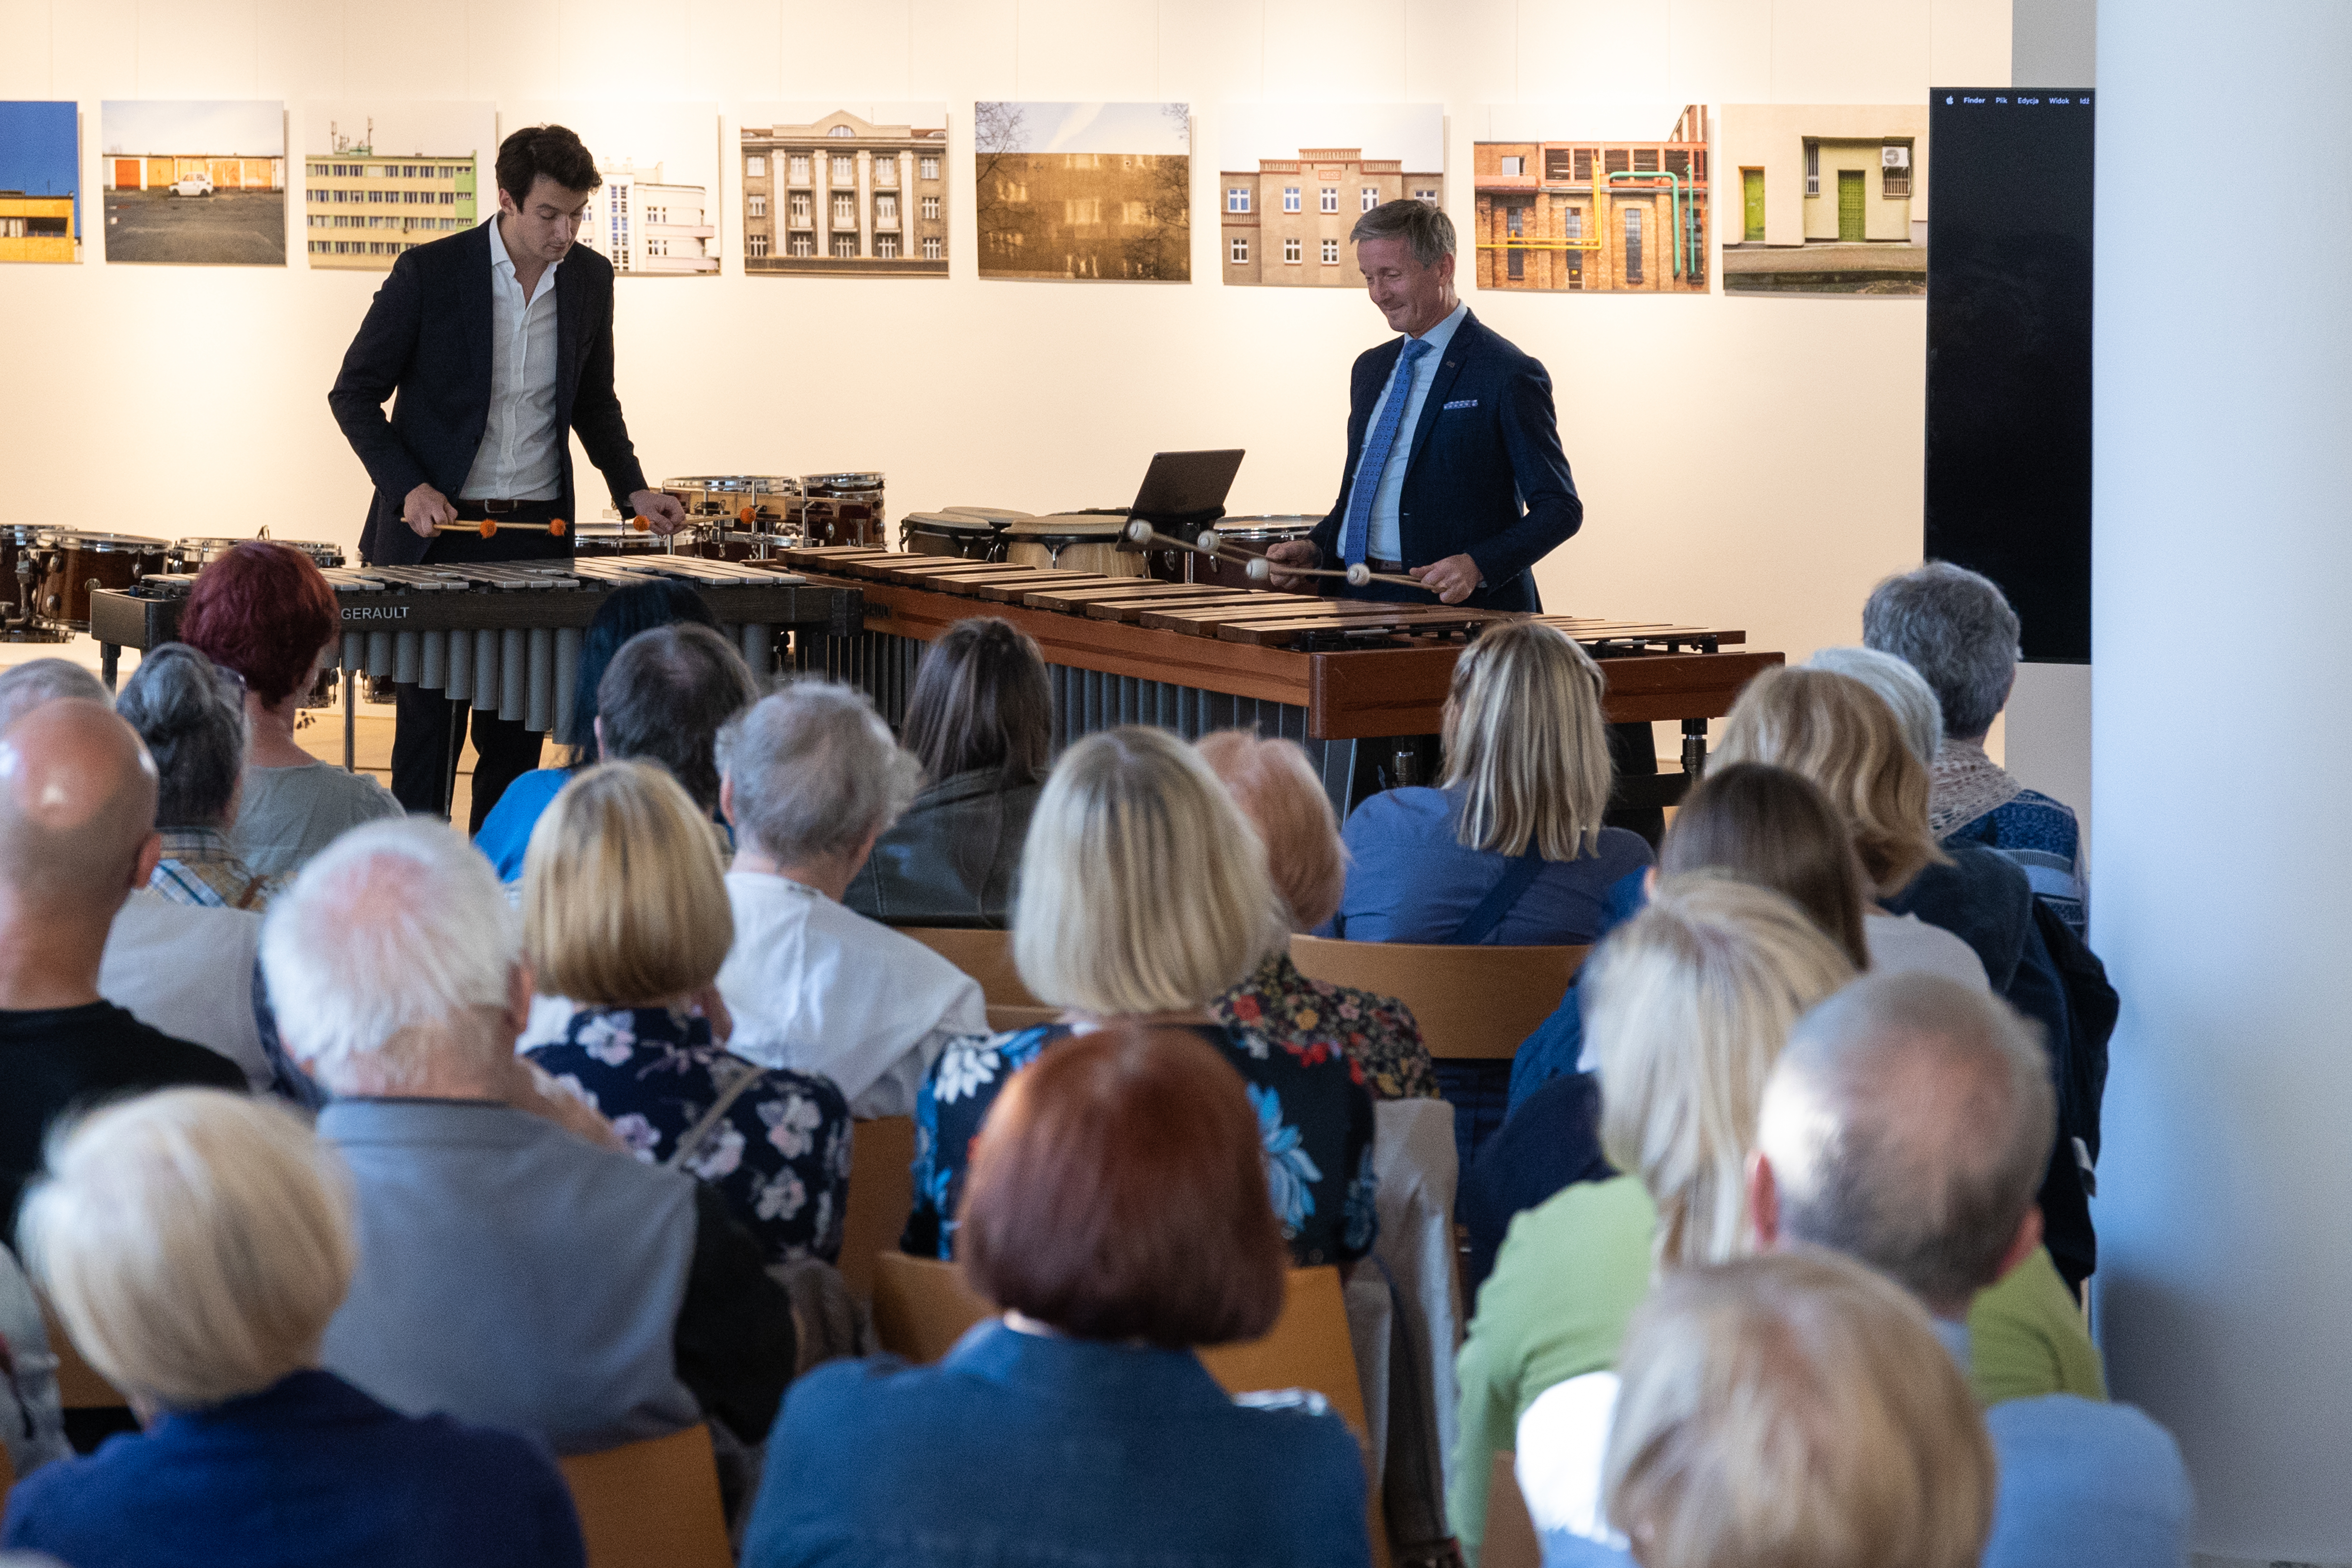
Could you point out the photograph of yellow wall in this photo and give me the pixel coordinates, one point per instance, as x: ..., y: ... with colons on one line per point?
x: 1097, y: 190
x: 197, y: 183
x: 380, y: 177
x: 1296, y: 177
x: 40, y: 184
x: 1596, y: 215
x: 858, y: 190
x: 1833, y: 199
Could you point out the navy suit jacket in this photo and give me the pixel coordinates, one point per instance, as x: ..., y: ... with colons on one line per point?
x: 1486, y: 475
x: 427, y: 339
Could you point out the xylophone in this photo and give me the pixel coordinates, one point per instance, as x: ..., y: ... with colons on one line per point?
x: 504, y: 637
x: 1332, y: 674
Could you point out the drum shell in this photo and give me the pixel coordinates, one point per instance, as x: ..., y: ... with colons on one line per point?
x: 1251, y: 536
x: 612, y: 539
x: 845, y: 508
x: 78, y: 562
x: 1083, y: 553
x: 960, y: 538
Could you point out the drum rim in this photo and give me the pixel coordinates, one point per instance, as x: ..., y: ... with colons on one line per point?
x: 943, y: 522
x: 1288, y: 518
x: 99, y: 542
x: 838, y: 481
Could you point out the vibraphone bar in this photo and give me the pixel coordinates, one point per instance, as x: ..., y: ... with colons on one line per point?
x: 504, y: 637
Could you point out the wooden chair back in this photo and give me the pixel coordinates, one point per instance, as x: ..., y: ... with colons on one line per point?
x: 653, y: 1504
x: 985, y: 955
x: 1006, y: 1017
x: 80, y: 1386
x: 923, y: 1306
x: 881, y: 1191
x: 7, y: 1476
x: 1511, y: 1539
x: 1471, y: 1003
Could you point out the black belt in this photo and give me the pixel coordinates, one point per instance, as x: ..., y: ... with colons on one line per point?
x: 1395, y: 567
x: 492, y: 508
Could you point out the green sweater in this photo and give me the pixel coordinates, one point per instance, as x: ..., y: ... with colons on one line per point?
x: 1572, y: 1269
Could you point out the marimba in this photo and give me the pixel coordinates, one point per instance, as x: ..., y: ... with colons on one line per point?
x: 505, y: 635
x: 1331, y: 674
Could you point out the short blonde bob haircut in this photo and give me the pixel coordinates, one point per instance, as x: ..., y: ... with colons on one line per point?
x: 1687, y: 1005
x: 623, y: 901
x: 1794, y: 1411
x: 194, y: 1242
x: 1523, y: 739
x: 1143, y: 889
x: 1842, y: 736
x: 1275, y: 786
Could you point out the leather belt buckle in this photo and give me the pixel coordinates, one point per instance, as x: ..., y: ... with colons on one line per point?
x: 495, y: 507
x: 1390, y: 566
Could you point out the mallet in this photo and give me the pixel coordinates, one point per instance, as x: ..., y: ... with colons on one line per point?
x: 1257, y: 568
x: 554, y: 527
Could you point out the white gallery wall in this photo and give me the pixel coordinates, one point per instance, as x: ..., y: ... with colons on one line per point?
x: 1748, y: 462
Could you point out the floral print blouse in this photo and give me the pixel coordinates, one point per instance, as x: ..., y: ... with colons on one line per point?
x: 1377, y: 1032
x: 1315, y: 1121
x: 779, y: 1156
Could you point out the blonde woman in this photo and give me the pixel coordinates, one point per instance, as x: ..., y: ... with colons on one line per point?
x: 1143, y: 898
x: 625, y: 917
x: 1509, y: 846
x: 1687, y: 1006
x: 194, y: 1245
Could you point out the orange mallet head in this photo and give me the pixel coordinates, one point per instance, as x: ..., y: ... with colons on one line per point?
x: 745, y: 516
x: 490, y: 527
x: 555, y: 527
x: 640, y: 523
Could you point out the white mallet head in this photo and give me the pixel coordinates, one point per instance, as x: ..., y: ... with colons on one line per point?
x: 1359, y: 575
x: 1206, y: 540
x: 1259, y: 570
x: 1139, y: 532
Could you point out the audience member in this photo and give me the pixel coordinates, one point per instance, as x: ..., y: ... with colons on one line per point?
x: 1907, y: 694
x: 1956, y: 627
x: 191, y: 714
x: 1276, y: 789
x: 1690, y: 1001
x: 980, y: 722
x: 32, y: 1425
x: 1117, y: 1210
x: 665, y: 694
x: 1790, y: 1410
x: 165, y: 963
x: 510, y: 1272
x: 195, y: 1246
x: 1144, y: 898
x: 626, y: 611
x: 1509, y: 846
x: 76, y: 835
x: 812, y: 778
x: 264, y: 611
x: 624, y: 916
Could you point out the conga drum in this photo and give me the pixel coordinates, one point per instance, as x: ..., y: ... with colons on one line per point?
x: 948, y: 533
x: 1073, y: 542
x: 79, y: 563
x: 845, y: 509
x: 1252, y: 536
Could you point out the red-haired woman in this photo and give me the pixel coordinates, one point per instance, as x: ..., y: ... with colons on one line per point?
x: 1116, y: 1209
x: 264, y: 612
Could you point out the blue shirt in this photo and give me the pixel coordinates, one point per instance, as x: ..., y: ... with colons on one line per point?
x: 1411, y: 879
x: 506, y: 832
x: 1383, y: 540
x: 309, y: 1471
x: 2086, y: 1485
x: 1022, y: 1449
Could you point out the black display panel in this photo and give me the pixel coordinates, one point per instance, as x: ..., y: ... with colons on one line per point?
x: 2009, y: 351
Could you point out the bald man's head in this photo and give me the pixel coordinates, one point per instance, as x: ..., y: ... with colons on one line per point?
x: 77, y: 809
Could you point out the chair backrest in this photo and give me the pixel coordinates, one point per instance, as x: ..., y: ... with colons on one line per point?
x: 1470, y: 1002
x: 1511, y: 1539
x: 80, y: 1386
x: 923, y: 1306
x: 881, y: 1191
x: 1006, y: 1017
x: 653, y: 1504
x: 985, y: 955
x: 7, y: 1476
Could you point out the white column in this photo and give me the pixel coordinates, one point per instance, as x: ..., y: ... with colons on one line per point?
x: 821, y: 197
x: 864, y: 201
x: 2223, y: 857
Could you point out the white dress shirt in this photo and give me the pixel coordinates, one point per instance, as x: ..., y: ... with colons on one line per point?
x: 1383, y: 540
x: 518, y: 458
x: 819, y: 989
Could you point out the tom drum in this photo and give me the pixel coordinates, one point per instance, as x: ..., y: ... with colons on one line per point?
x: 845, y: 509
x: 1249, y: 536
x: 76, y: 564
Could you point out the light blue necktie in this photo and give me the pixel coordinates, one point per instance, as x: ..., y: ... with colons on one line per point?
x: 1357, y: 530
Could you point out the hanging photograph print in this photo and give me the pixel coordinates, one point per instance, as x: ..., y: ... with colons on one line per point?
x: 1613, y: 201
x: 1832, y: 198
x: 1294, y: 178
x: 1084, y: 190
x: 193, y: 183
x: 844, y: 190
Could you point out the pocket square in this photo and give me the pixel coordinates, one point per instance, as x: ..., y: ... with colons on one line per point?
x: 1463, y: 403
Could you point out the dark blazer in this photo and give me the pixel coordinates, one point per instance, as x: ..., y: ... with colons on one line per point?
x: 1486, y: 475
x: 427, y: 338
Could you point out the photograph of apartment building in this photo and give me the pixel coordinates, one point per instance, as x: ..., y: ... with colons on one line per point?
x: 1084, y: 190
x: 195, y: 182
x: 40, y: 182
x: 850, y: 192
x: 656, y: 213
x: 382, y: 177
x: 1590, y: 214
x: 1296, y: 177
x: 1832, y: 198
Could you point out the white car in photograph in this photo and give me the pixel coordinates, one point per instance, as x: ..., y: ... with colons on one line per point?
x: 193, y: 185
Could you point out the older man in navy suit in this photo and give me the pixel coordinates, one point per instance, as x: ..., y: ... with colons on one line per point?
x: 498, y: 342
x: 1454, y: 472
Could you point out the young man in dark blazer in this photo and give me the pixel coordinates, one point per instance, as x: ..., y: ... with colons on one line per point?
x: 498, y: 342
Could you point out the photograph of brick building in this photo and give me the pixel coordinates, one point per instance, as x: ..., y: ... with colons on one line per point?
x: 1295, y: 178
x: 851, y: 193
x: 1594, y: 215
x: 1832, y: 198
x: 1097, y: 190
x: 657, y: 212
x: 40, y: 182
x: 379, y: 178
x: 195, y: 182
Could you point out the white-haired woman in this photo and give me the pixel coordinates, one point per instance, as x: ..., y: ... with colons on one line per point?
x: 1509, y: 846
x: 1144, y: 898
x: 194, y: 1245
x: 1687, y: 1006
